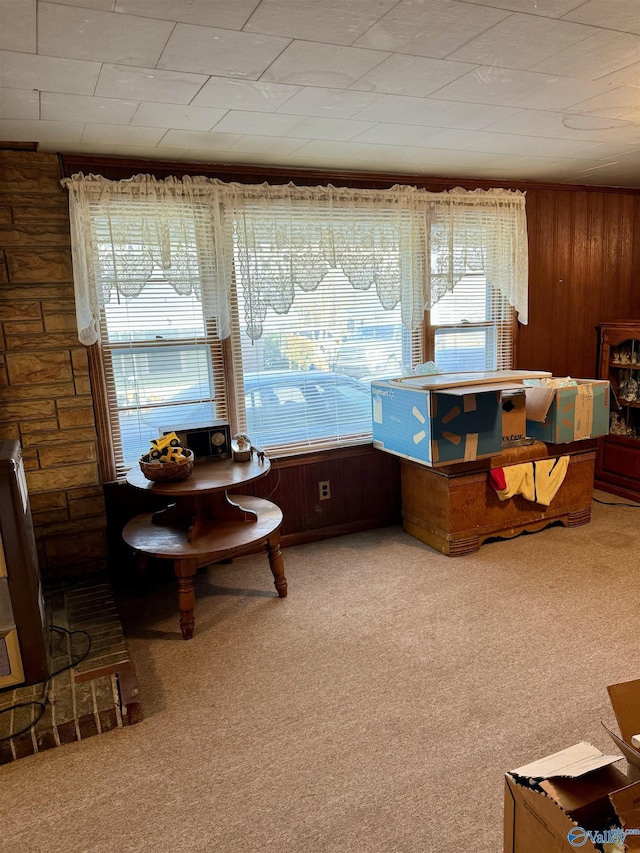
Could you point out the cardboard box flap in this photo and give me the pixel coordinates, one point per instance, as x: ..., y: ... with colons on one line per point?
x: 625, y: 701
x: 570, y: 763
x: 586, y: 799
x: 437, y: 381
x: 461, y: 390
x: 539, y: 399
x: 632, y: 755
x: 626, y: 802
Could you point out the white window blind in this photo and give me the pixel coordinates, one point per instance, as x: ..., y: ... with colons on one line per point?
x: 163, y: 367
x: 472, y: 327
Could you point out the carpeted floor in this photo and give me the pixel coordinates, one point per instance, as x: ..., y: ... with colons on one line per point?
x: 374, y: 710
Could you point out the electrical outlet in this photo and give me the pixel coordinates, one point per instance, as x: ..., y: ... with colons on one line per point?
x: 324, y: 488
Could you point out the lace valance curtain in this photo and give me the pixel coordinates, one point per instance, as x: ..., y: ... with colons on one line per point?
x: 410, y: 245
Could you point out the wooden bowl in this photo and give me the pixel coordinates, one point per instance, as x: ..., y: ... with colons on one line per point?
x: 167, y: 472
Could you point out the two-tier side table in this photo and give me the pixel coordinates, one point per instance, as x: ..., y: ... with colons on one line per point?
x: 203, y: 524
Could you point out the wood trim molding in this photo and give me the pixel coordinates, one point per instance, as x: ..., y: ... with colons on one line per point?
x: 117, y: 168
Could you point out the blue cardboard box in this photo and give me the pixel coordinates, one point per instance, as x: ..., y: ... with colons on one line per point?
x: 437, y: 426
x: 574, y: 413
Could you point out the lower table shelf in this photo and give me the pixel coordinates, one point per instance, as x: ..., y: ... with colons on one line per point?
x: 165, y: 535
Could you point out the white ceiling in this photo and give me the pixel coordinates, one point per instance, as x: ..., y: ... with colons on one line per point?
x: 544, y: 90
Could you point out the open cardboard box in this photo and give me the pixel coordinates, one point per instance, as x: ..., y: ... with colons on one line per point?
x: 573, y: 799
x: 572, y: 413
x: 625, y: 700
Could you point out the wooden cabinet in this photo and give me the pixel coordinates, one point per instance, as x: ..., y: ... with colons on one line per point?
x: 618, y: 461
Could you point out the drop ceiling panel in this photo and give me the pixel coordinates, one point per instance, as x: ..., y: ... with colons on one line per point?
x: 514, y: 89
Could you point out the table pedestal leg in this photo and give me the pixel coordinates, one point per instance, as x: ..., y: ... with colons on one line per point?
x: 276, y: 563
x: 185, y: 571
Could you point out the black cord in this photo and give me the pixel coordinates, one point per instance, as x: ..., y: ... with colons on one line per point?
x: 44, y: 700
x: 616, y: 503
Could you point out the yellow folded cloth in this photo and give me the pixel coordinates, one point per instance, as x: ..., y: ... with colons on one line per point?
x: 535, y: 481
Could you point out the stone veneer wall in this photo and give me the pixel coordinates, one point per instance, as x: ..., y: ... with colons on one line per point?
x: 45, y: 392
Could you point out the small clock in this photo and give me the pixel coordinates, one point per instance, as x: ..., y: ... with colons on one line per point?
x: 207, y: 441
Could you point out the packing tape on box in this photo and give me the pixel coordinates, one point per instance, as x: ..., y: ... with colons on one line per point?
x: 583, y: 424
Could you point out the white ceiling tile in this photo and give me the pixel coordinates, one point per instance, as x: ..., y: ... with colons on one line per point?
x: 111, y: 134
x: 243, y: 95
x: 54, y: 106
x: 333, y: 103
x: 316, y: 64
x: 559, y: 126
x: 520, y: 41
x: 208, y: 50
x: 176, y: 116
x: 609, y: 150
x: 148, y: 84
x: 333, y: 21
x: 18, y: 25
x: 201, y: 141
x: 489, y: 84
x: 88, y: 34
x: 558, y: 93
x: 434, y: 113
x: 623, y: 102
x: 209, y: 13
x: 268, y: 145
x: 429, y: 27
x: 546, y: 8
x: 629, y: 76
x: 48, y: 73
x: 621, y: 15
x: 396, y: 134
x: 260, y: 124
x: 329, y: 128
x: 19, y: 104
x: 59, y: 133
x: 411, y: 75
x: 602, y: 53
x: 104, y: 5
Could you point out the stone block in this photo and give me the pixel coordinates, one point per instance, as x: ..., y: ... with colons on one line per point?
x: 83, y: 385
x: 46, y: 341
x: 50, y: 516
x: 29, y: 327
x: 87, y: 507
x: 48, y: 501
x: 77, y: 402
x: 35, y: 368
x: 39, y: 266
x: 37, y: 236
x: 83, y: 548
x: 61, y: 323
x: 61, y: 437
x: 27, y: 410
x: 4, y: 275
x: 67, y: 453
x: 29, y: 172
x: 76, y: 417
x: 6, y: 216
x: 31, y: 392
x: 45, y: 426
x: 18, y: 310
x: 51, y: 209
x: 37, y: 291
x: 80, y: 362
x: 64, y: 477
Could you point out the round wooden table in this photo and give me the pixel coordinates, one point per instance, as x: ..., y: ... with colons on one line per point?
x: 203, y: 525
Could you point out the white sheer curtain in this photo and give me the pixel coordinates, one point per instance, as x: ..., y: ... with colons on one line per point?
x: 412, y: 246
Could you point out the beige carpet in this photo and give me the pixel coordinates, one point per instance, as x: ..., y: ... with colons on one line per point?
x: 375, y: 709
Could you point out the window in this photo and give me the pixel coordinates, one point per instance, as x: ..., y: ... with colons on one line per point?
x: 274, y: 307
x: 470, y: 327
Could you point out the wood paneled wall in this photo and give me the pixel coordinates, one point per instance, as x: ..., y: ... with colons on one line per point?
x: 584, y: 269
